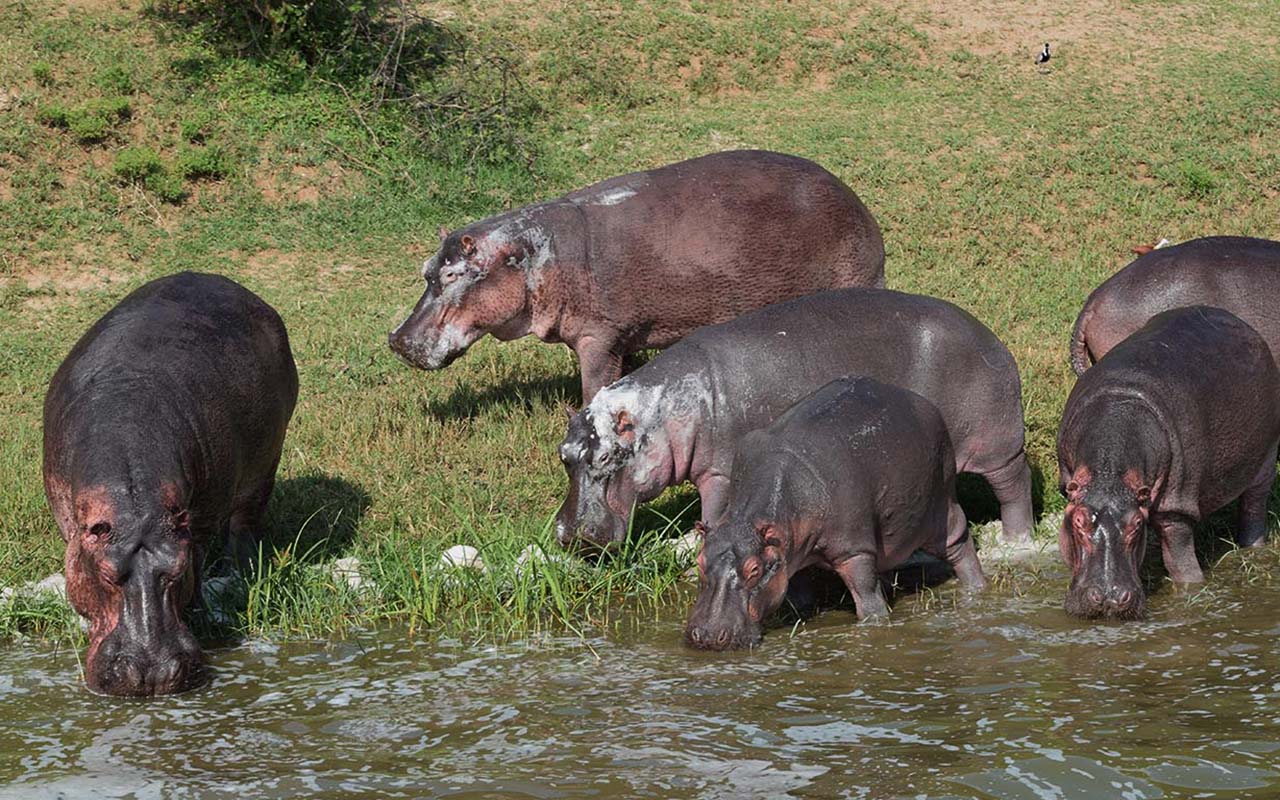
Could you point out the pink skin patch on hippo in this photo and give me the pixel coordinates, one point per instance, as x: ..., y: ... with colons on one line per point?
x: 91, y: 584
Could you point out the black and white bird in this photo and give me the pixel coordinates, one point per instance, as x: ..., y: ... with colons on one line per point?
x: 1044, y: 54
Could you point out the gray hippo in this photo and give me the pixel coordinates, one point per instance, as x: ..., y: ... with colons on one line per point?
x: 1237, y: 273
x: 162, y: 428
x: 641, y: 260
x: 853, y: 478
x: 1173, y: 423
x: 679, y: 417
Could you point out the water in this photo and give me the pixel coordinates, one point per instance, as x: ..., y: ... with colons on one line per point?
x: 1002, y: 696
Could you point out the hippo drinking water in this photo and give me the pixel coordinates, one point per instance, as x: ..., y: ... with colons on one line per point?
x: 1175, y: 422
x: 853, y: 478
x: 162, y: 428
x: 1237, y: 273
x: 679, y: 417
x: 640, y: 260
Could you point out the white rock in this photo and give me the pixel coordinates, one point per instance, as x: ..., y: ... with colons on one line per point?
x: 686, y: 547
x: 533, y: 556
x: 462, y: 556
x: 55, y: 583
x: 7, y: 594
x: 348, y: 570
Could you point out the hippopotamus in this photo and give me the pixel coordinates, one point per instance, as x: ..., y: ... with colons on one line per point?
x: 853, y: 478
x: 1237, y: 273
x: 679, y: 417
x: 162, y: 429
x: 639, y: 261
x: 1173, y: 423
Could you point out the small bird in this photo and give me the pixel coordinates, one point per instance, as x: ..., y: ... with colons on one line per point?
x: 1044, y: 54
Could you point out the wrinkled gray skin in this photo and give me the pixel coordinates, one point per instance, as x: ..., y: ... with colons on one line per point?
x: 1236, y: 273
x: 641, y: 260
x: 853, y: 478
x: 680, y: 417
x: 162, y: 429
x: 1172, y: 424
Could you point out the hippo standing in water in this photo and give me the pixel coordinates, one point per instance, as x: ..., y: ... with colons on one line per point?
x: 1237, y: 273
x: 679, y: 417
x: 1175, y: 422
x: 162, y: 428
x: 853, y: 478
x: 641, y: 260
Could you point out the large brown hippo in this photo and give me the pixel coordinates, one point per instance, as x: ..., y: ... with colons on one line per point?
x: 679, y: 417
x: 853, y: 478
x: 162, y: 428
x: 640, y: 260
x: 1173, y: 423
x: 1237, y: 273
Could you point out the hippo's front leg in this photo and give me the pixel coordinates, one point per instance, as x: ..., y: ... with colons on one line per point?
x: 599, y: 362
x: 1177, y: 543
x: 860, y: 576
x: 713, y: 489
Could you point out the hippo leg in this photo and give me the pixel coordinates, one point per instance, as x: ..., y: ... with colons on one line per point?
x: 600, y: 364
x: 1012, y: 486
x: 1177, y: 543
x: 244, y: 530
x: 860, y: 576
x: 961, y: 554
x: 1252, y: 529
x: 713, y: 489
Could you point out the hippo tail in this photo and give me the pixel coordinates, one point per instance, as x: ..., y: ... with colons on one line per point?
x: 1079, y: 348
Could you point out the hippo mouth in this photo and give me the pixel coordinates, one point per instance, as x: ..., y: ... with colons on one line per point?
x: 700, y: 638
x: 1093, y: 604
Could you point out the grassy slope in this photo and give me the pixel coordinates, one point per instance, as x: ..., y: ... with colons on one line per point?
x: 1007, y: 190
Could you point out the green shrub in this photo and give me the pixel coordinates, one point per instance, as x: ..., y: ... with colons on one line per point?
x: 90, y: 122
x: 167, y: 186
x: 196, y: 127
x: 42, y: 71
x: 203, y: 162
x: 54, y: 116
x: 1196, y: 180
x: 137, y: 163
x: 116, y: 80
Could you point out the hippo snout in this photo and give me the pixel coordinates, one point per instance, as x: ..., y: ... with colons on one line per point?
x: 125, y: 669
x: 1114, y: 603
x: 706, y: 637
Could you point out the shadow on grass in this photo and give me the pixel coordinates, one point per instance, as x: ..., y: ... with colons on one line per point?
x: 467, y: 402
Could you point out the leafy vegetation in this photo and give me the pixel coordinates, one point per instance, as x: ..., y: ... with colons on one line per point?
x: 299, y: 160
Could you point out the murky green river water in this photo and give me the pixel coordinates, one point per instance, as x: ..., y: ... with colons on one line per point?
x: 1002, y: 696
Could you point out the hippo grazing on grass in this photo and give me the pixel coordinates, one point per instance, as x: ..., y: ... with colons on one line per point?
x: 679, y: 417
x: 162, y: 428
x: 640, y: 260
x: 1175, y: 422
x: 853, y: 478
x: 1237, y: 273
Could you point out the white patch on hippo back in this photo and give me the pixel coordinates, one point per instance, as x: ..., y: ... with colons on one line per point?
x: 611, y: 197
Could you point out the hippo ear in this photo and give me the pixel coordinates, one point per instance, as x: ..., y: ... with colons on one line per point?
x: 181, y: 519
x: 624, y: 427
x: 700, y: 528
x: 569, y: 413
x: 468, y: 245
x: 444, y: 234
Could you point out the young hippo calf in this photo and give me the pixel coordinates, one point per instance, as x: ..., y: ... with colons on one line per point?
x: 162, y: 428
x: 639, y: 261
x: 854, y: 478
x: 1172, y: 424
x: 679, y: 417
x: 1239, y: 274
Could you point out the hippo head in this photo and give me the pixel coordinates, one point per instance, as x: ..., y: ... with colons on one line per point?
x: 742, y: 576
x: 615, y: 457
x: 130, y: 572
x: 477, y: 283
x: 1103, y: 539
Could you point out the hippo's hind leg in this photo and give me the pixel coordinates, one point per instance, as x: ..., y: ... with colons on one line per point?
x: 961, y: 554
x: 1252, y: 528
x: 860, y: 576
x: 1012, y: 486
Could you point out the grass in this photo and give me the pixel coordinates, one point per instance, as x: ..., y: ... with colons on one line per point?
x: 133, y: 147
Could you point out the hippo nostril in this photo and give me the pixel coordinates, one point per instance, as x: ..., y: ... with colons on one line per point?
x: 1124, y: 597
x: 1094, y: 596
x: 695, y: 635
x: 722, y: 638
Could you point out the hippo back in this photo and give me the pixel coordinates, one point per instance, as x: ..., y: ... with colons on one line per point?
x: 763, y: 362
